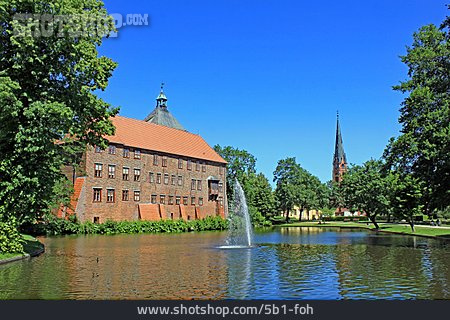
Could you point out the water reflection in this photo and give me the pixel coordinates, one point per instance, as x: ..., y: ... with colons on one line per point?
x: 288, y: 263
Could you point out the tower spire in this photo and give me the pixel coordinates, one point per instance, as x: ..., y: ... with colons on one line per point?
x: 161, y: 100
x: 339, y: 158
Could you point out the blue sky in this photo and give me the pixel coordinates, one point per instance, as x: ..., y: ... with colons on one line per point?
x: 268, y: 76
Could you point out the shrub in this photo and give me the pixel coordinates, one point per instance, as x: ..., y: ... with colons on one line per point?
x: 56, y: 226
x: 11, y: 240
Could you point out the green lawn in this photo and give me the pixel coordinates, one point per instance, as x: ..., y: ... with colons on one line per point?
x: 385, y: 227
x: 30, y: 246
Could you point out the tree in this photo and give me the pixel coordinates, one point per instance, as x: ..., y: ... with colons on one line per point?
x: 240, y: 163
x: 406, y: 197
x: 49, y: 111
x: 287, y: 176
x: 259, y: 193
x: 367, y: 189
x: 423, y: 148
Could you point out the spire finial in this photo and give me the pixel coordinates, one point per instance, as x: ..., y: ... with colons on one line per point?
x: 337, y: 114
x: 162, y: 85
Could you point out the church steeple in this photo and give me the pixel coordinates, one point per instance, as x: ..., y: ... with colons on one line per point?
x: 339, y: 158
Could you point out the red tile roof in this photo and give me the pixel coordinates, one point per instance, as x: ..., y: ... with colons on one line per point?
x: 150, y: 136
x: 70, y: 210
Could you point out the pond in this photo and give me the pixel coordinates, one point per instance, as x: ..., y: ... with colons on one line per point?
x: 286, y: 263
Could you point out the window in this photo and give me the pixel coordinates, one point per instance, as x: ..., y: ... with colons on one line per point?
x: 111, y: 171
x: 166, y: 178
x: 199, y: 185
x: 110, y: 195
x: 151, y: 177
x: 189, y: 164
x: 220, y: 186
x: 197, y: 166
x: 185, y: 201
x: 137, y: 174
x: 164, y: 161
x: 200, y: 201
x: 153, y: 200
x: 98, y: 170
x: 98, y: 149
x: 96, y: 220
x: 125, y: 172
x: 170, y: 199
x: 158, y: 178
x: 162, y: 199
x: 137, y: 195
x: 192, y: 201
x: 137, y: 153
x: 180, y: 180
x: 173, y: 180
x: 155, y: 159
x: 193, y: 182
x: 203, y: 167
x: 125, y: 195
x: 112, y: 149
x: 177, y: 199
x: 180, y: 163
x: 97, y: 195
x: 126, y: 152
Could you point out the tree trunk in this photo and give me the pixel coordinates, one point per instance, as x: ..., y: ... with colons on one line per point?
x: 388, y: 218
x: 287, y: 216
x: 411, y: 223
x: 372, y: 219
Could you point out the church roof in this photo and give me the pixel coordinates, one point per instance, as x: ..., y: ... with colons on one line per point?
x: 150, y: 136
x: 339, y: 154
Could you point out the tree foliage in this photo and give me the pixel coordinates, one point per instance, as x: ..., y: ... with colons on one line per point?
x: 258, y: 191
x: 367, y: 189
x: 423, y: 148
x: 297, y: 187
x: 49, y: 111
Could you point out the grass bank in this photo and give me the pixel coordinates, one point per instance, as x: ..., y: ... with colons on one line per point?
x: 31, y: 246
x: 420, y: 230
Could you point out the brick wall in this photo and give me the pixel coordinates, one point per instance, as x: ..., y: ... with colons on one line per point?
x: 87, y: 209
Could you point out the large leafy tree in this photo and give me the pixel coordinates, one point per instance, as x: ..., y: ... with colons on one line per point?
x: 240, y: 164
x: 423, y: 148
x: 259, y: 193
x: 287, y: 176
x: 48, y: 109
x: 406, y: 197
x: 367, y: 189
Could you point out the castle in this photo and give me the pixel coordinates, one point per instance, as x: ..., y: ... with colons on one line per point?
x: 152, y: 169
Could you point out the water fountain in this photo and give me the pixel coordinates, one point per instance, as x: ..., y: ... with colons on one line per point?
x: 240, y: 234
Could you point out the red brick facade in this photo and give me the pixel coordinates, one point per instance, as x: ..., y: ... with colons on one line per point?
x: 127, y: 188
x: 129, y: 182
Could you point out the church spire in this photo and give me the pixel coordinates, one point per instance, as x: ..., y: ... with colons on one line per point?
x: 339, y: 158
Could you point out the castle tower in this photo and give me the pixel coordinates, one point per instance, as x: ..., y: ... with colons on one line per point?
x: 339, y: 158
x: 160, y: 115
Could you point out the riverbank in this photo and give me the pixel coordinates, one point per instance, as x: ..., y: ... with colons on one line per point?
x: 420, y: 230
x: 31, y: 246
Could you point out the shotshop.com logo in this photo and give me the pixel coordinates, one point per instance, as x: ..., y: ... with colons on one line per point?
x: 74, y: 25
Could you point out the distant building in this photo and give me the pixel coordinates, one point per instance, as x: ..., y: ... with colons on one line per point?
x: 153, y: 169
